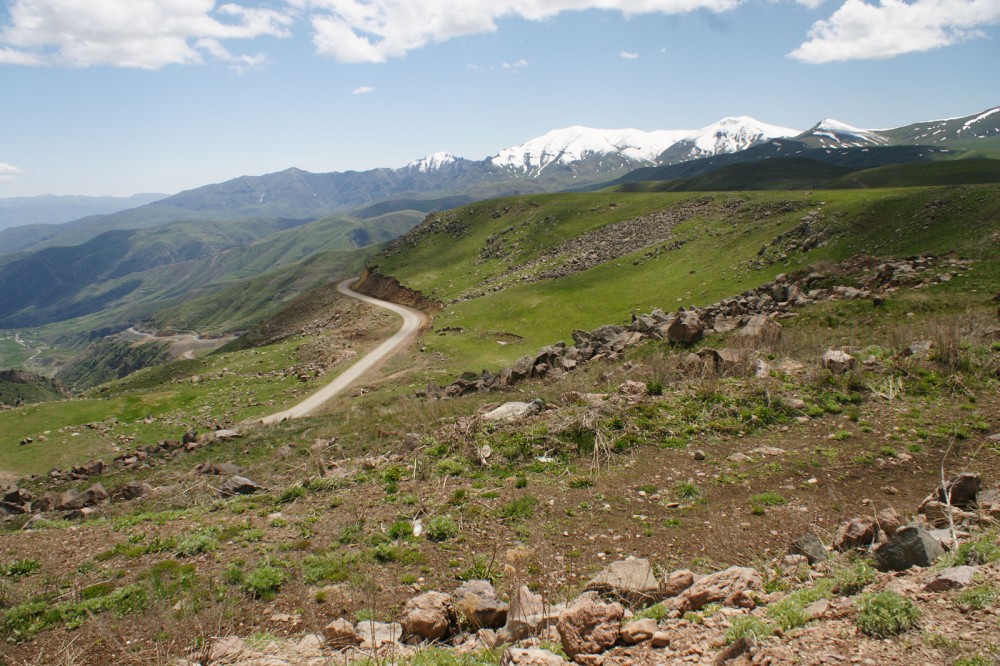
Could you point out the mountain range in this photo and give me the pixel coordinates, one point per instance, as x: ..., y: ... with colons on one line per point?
x: 211, y: 240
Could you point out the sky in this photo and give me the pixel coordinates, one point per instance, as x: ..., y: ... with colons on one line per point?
x: 117, y: 97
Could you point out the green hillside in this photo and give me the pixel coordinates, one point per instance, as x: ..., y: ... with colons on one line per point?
x: 487, y: 262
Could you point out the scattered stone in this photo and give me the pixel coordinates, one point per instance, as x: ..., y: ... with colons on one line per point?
x: 130, y: 491
x: 888, y: 521
x: 514, y: 411
x: 630, y: 580
x: 340, y: 634
x: 477, y: 600
x: 676, y: 582
x: 910, y: 546
x: 811, y: 547
x: 239, y: 485
x: 589, y: 626
x: 730, y: 587
x: 952, y: 579
x: 429, y: 616
x: 961, y: 490
x: 855, y: 533
x: 660, y: 639
x: 816, y: 609
x: 699, y: 455
x: 686, y: 328
x: 837, y: 361
x: 376, y: 634
x: 638, y: 631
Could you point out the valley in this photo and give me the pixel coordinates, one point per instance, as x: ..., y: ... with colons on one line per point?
x: 694, y: 371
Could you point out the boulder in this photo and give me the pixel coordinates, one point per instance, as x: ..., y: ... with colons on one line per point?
x: 760, y: 329
x: 514, y: 411
x: 939, y: 515
x: 589, y: 626
x: 961, y: 490
x: 811, y: 547
x: 373, y: 634
x: 528, y: 615
x: 639, y: 631
x: 888, y: 521
x: 952, y: 579
x: 837, y: 361
x: 730, y: 587
x: 477, y: 600
x: 686, y: 328
x: 855, y: 533
x: 630, y: 580
x: 429, y: 616
x: 340, y: 634
x: 910, y: 546
x: 130, y: 491
x: 676, y: 582
x: 239, y: 485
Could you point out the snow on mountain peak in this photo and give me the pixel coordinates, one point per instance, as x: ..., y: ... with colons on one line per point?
x: 572, y: 144
x: 433, y: 162
x: 845, y: 135
x: 735, y: 133
x: 831, y: 125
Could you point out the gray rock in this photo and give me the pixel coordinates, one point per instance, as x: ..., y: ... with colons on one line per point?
x: 855, y: 533
x: 686, y: 328
x: 239, y: 485
x: 836, y: 360
x: 514, y: 411
x: 477, y: 600
x: 910, y: 546
x: 429, y: 616
x: 811, y: 547
x: 630, y: 580
x: 376, y: 634
x: 130, y: 491
x: 340, y: 634
x: 731, y: 587
x: 952, y: 579
x: 515, y: 656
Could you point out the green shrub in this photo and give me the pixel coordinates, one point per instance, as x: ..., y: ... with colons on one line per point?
x: 580, y: 482
x: 686, y: 490
x: 263, y: 582
x: 978, y: 598
x: 19, y: 568
x: 441, y: 528
x: 886, y: 614
x: 393, y: 552
x: 233, y: 573
x: 768, y: 499
x: 401, y: 529
x: 981, y: 551
x: 202, y: 541
x: 291, y: 494
x: 450, y: 467
x: 748, y: 626
x: 521, y: 508
x: 854, y: 578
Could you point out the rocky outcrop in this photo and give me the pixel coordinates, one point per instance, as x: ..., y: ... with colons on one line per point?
x: 589, y: 626
x: 373, y: 283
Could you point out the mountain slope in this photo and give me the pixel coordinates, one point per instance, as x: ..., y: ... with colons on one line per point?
x: 50, y: 209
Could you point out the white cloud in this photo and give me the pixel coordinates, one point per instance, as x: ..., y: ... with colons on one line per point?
x: 8, y: 171
x: 629, y: 55
x: 517, y: 64
x: 377, y: 30
x: 862, y: 31
x: 811, y: 4
x: 363, y: 90
x: 144, y: 34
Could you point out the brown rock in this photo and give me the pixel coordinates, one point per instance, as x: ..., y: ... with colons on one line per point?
x: 340, y: 634
x: 952, y: 579
x: 631, y: 580
x: 429, y: 616
x: 677, y: 582
x: 730, y: 587
x: 479, y: 603
x: 589, y: 627
x: 638, y: 631
x: 686, y: 328
x: 837, y: 360
x: 660, y: 639
x: 530, y: 657
x: 855, y: 533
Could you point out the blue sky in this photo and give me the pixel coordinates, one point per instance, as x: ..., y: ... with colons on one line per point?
x: 125, y: 96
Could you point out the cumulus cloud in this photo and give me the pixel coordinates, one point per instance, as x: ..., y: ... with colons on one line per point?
x: 862, y: 31
x: 8, y: 171
x: 144, y: 34
x: 517, y: 64
x: 629, y: 55
x: 363, y: 90
x: 377, y: 30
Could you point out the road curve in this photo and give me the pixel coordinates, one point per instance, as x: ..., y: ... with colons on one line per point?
x: 413, y: 321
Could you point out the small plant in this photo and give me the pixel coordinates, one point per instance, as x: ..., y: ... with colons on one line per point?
x: 291, y: 494
x: 263, y: 582
x: 978, y: 598
x: 854, y: 578
x: 840, y: 435
x: 401, y: 529
x: 886, y: 614
x: 981, y: 551
x: 687, y: 490
x: 450, y: 467
x: 580, y: 482
x: 974, y: 660
x: 654, y: 388
x: 750, y: 627
x: 233, y: 573
x: 19, y: 568
x: 521, y: 508
x: 202, y: 541
x: 768, y: 499
x: 521, y: 482
x: 441, y: 528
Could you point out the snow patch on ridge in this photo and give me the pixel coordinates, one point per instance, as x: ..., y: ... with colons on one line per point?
x: 432, y: 163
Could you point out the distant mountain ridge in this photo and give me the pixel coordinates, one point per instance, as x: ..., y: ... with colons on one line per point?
x: 53, y: 209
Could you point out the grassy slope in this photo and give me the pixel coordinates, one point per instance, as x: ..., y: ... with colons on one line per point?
x: 714, y: 263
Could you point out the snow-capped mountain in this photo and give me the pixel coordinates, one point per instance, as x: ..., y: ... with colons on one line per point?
x: 729, y: 135
x: 630, y: 147
x: 432, y: 163
x: 830, y: 133
x: 576, y: 144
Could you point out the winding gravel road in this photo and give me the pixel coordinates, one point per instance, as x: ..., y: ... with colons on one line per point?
x: 413, y: 321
